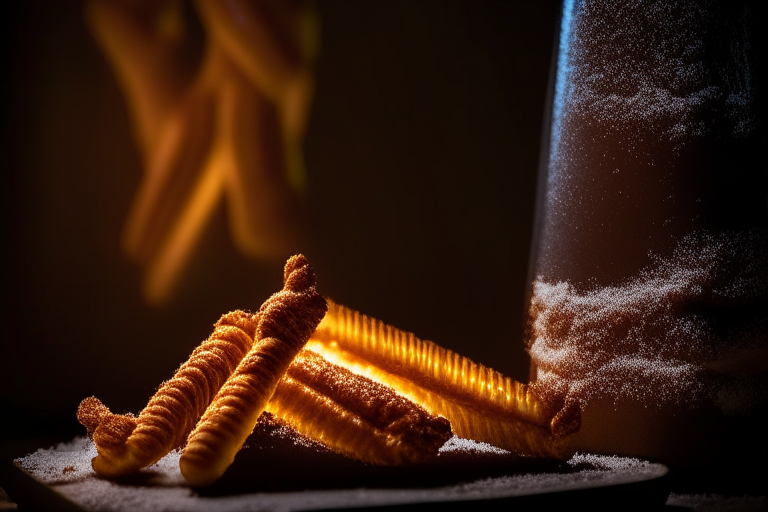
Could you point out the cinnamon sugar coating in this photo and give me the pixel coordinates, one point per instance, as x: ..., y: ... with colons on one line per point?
x: 108, y: 431
x: 126, y: 443
x: 286, y: 321
x: 418, y: 394
x: 91, y: 413
x: 480, y: 403
x: 354, y: 415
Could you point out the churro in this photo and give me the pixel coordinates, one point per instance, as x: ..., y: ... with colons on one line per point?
x: 354, y: 415
x: 417, y: 393
x: 126, y: 443
x: 480, y: 403
x: 287, y: 319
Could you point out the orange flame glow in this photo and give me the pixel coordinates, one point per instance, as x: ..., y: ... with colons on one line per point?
x: 480, y: 403
x: 233, y: 130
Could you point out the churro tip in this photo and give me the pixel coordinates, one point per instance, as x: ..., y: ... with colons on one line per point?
x: 299, y: 275
x: 567, y: 421
x: 90, y: 413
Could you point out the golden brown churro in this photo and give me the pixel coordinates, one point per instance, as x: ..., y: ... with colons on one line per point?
x: 231, y: 379
x: 480, y: 403
x: 354, y: 415
x: 287, y: 319
x: 126, y: 443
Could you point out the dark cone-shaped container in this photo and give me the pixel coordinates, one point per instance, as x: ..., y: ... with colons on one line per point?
x: 649, y: 273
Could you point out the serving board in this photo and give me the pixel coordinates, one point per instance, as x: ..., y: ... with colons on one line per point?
x: 275, y: 473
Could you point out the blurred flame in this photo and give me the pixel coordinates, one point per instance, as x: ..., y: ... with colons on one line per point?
x: 166, y: 266
x: 233, y: 130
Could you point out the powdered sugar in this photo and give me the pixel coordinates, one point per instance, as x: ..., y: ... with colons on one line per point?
x: 160, y: 488
x: 459, y: 444
x: 664, y: 336
x: 66, y: 462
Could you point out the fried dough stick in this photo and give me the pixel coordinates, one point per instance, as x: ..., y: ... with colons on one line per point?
x: 354, y: 415
x: 480, y: 403
x: 286, y: 321
x: 126, y: 443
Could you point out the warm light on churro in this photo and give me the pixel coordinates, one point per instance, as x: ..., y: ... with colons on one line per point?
x: 286, y: 320
x: 481, y: 403
x: 126, y: 443
x: 371, y: 392
x: 354, y: 415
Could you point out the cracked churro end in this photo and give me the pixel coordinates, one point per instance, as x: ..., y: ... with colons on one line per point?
x: 287, y: 319
x: 109, y: 433
x: 127, y: 443
x: 354, y: 415
x: 480, y: 403
x: 292, y: 314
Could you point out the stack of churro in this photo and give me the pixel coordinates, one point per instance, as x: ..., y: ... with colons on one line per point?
x: 256, y: 362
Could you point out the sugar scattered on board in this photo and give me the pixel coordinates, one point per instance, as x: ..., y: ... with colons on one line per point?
x: 161, y: 487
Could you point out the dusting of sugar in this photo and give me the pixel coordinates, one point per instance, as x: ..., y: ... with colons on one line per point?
x: 657, y: 125
x: 71, y: 462
x: 667, y: 335
x: 597, y: 463
x: 718, y: 502
x: 623, y: 62
x: 459, y: 444
x: 163, y: 489
x: 66, y: 462
x: 288, y: 433
x: 270, y: 426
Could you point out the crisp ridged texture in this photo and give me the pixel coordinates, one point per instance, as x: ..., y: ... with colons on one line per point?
x: 286, y: 320
x: 481, y: 404
x: 354, y: 415
x: 126, y: 443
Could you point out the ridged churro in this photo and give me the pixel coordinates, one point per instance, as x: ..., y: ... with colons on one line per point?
x: 287, y: 319
x: 126, y: 443
x: 417, y: 393
x: 354, y: 415
x: 480, y: 403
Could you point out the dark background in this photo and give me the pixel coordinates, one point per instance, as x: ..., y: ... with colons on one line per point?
x: 421, y: 153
